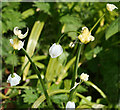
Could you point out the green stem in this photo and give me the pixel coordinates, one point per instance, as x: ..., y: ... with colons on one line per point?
x: 13, y: 65
x: 97, y: 22
x: 41, y: 81
x: 76, y: 69
x: 65, y: 34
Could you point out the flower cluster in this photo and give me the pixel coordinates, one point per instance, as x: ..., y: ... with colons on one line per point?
x: 85, y: 36
x: 16, y: 43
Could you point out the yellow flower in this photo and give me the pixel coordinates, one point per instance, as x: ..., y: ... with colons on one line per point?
x: 84, y: 77
x: 111, y: 7
x: 18, y: 33
x: 16, y: 44
x: 85, y: 36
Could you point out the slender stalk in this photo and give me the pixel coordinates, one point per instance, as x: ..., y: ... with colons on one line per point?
x: 76, y: 69
x: 64, y: 34
x: 97, y: 22
x: 41, y: 81
x: 13, y: 65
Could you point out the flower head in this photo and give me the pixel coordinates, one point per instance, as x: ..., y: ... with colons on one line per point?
x: 70, y: 105
x: 85, y: 36
x: 111, y: 7
x: 55, y: 50
x: 16, y: 44
x: 13, y: 80
x: 84, y: 77
x: 18, y: 33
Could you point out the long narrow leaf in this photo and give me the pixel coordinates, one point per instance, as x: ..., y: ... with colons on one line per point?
x: 34, y: 36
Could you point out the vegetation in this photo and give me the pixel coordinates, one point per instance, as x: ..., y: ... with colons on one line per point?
x: 47, y: 23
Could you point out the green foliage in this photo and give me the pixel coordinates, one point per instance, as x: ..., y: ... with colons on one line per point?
x: 12, y: 60
x: 113, y: 28
x: 30, y: 95
x: 58, y: 99
x: 93, y: 53
x: 43, y: 7
x: 47, y: 21
x: 11, y: 17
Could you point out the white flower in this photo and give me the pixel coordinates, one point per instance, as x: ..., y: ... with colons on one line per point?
x: 18, y: 33
x: 16, y: 44
x: 55, y: 50
x: 85, y: 36
x: 70, y: 105
x: 84, y: 77
x: 111, y: 7
x: 13, y: 80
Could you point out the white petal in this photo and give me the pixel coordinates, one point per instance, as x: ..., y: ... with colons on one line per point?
x: 111, y: 7
x: 16, y: 31
x: 11, y: 41
x: 22, y: 36
x: 20, y: 45
x: 70, y: 105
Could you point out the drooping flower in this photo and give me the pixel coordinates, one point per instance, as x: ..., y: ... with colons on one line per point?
x: 55, y: 50
x: 85, y: 36
x: 70, y: 105
x: 18, y: 33
x: 16, y: 44
x: 13, y: 79
x: 84, y: 77
x: 111, y: 7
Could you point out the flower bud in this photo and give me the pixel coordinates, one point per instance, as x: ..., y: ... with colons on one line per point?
x: 70, y: 105
x: 55, y: 50
x: 13, y: 80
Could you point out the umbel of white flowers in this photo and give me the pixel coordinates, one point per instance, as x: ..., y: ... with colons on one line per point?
x: 13, y: 79
x: 111, y: 7
x: 55, y: 50
x: 70, y: 105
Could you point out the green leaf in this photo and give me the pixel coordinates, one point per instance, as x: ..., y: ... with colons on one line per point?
x: 59, y: 98
x: 30, y: 96
x: 40, y: 65
x: 89, y: 98
x: 12, y: 60
x: 71, y: 23
x: 41, y: 57
x: 32, y: 42
x: 93, y: 53
x: 43, y: 7
x: 27, y: 13
x: 112, y: 29
x: 54, y: 68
